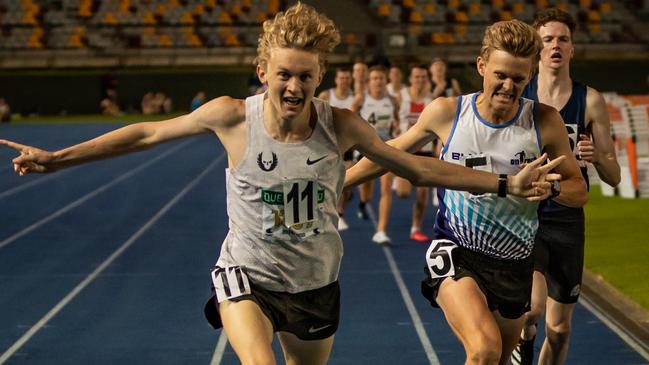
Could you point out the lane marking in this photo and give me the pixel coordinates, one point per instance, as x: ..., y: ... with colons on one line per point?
x: 612, y: 324
x: 40, y: 180
x: 407, y: 299
x: 88, y: 196
x: 220, y: 349
x: 90, y: 278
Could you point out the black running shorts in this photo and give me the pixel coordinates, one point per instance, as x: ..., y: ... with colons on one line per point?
x: 310, y: 315
x: 559, y: 253
x: 507, y: 284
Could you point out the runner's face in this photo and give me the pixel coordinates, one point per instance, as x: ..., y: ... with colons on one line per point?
x: 292, y: 76
x: 418, y: 78
x: 504, y: 77
x: 395, y: 75
x: 344, y: 80
x: 557, y: 45
x: 378, y: 83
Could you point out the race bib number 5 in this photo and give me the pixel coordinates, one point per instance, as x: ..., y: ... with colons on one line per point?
x: 439, y: 259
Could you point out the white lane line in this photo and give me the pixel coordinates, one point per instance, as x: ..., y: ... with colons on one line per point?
x: 68, y: 298
x: 41, y: 179
x: 407, y: 299
x: 88, y: 196
x: 614, y: 326
x: 220, y: 349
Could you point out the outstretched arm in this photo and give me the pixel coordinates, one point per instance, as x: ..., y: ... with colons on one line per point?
x: 423, y: 171
x: 216, y: 116
x: 599, y: 150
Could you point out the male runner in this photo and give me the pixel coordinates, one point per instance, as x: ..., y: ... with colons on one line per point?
x: 480, y: 266
x: 559, y: 243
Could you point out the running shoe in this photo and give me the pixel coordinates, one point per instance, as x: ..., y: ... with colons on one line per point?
x: 419, y: 236
x: 381, y: 238
x: 524, y: 352
x: 362, y: 213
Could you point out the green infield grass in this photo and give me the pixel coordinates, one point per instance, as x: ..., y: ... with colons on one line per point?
x: 617, y: 243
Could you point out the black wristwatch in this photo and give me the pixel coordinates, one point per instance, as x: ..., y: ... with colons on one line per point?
x: 502, y: 185
x: 555, y: 189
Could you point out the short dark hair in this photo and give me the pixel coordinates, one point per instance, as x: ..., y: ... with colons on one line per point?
x: 554, y: 15
x: 379, y: 68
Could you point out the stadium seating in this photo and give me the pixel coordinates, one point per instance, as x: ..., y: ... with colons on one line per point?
x: 599, y: 21
x: 115, y: 24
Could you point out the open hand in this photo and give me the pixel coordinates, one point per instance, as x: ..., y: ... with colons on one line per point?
x: 31, y: 159
x: 534, y: 180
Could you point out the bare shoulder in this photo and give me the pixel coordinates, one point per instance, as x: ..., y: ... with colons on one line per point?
x: 548, y: 115
x: 595, y: 102
x: 221, y: 113
x: 443, y: 107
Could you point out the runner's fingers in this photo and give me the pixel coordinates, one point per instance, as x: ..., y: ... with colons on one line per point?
x: 17, y: 146
x: 552, y: 164
x: 538, y: 161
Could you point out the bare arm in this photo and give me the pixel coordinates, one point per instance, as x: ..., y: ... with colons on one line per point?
x: 555, y: 143
x: 218, y: 116
x: 600, y: 151
x: 423, y: 171
x: 456, y: 87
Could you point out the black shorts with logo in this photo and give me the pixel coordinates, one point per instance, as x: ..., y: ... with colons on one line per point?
x: 559, y: 253
x: 507, y: 284
x: 310, y: 315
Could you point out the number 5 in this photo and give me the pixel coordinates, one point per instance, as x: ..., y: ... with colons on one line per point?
x: 439, y: 259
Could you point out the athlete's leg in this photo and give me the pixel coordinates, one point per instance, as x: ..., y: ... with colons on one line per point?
x: 403, y: 187
x: 558, y: 326
x: 366, y: 191
x: 385, y: 203
x: 466, y: 311
x: 539, y: 297
x: 419, y: 208
x: 300, y: 352
x: 249, y: 331
x: 510, y: 330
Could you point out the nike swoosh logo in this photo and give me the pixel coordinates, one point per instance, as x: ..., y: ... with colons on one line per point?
x: 316, y: 329
x: 311, y: 162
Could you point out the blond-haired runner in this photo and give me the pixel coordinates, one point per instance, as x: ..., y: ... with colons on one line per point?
x: 278, y: 267
x: 479, y: 267
x: 560, y: 239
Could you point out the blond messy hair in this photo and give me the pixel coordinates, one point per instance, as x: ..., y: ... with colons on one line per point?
x: 299, y: 27
x: 514, y: 37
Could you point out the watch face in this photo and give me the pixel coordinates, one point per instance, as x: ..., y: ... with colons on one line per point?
x: 555, y: 188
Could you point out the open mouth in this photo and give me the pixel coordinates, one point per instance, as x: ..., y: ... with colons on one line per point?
x: 556, y: 56
x: 292, y: 101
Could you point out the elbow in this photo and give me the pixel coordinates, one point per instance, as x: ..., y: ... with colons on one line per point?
x: 613, y: 180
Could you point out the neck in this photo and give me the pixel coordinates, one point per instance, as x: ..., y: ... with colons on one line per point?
x: 340, y: 92
x: 554, y: 81
x: 492, y: 115
x: 417, y: 93
x: 378, y: 94
x: 285, y: 129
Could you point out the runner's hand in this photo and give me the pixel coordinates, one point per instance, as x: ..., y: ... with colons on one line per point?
x: 31, y: 159
x: 534, y: 180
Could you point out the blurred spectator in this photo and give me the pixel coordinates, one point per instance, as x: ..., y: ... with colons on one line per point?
x: 197, y: 101
x: 441, y: 84
x: 148, y: 105
x: 395, y: 77
x: 109, y: 105
x: 157, y: 103
x: 5, y: 111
